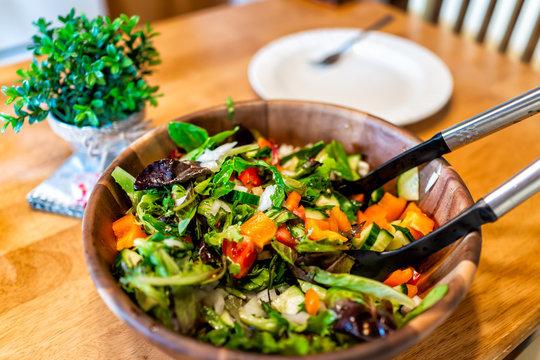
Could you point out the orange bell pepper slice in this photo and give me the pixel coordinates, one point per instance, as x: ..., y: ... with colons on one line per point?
x: 412, y: 290
x: 262, y: 142
x: 342, y: 221
x: 398, y: 277
x: 377, y: 214
x: 293, y: 200
x: 126, y: 231
x: 393, y: 206
x: 260, y: 228
x: 317, y: 224
x: 419, y: 222
x: 410, y: 207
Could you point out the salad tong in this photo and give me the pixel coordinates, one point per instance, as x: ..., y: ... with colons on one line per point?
x: 463, y: 133
x: 488, y: 209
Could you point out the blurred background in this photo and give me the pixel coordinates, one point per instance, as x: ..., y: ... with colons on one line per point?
x: 16, y: 17
x: 507, y: 26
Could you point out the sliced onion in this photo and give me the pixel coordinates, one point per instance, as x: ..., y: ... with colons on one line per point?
x: 263, y: 295
x: 225, y: 207
x: 212, y: 165
x: 214, y: 155
x: 215, y: 207
x: 301, y: 318
x: 253, y: 307
x: 363, y: 168
x: 173, y: 243
x: 216, y: 299
x: 266, y: 202
x: 180, y: 201
x: 240, y: 188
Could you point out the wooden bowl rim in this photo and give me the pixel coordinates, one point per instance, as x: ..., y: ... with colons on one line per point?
x: 458, y: 280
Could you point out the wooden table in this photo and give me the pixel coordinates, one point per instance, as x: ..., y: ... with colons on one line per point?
x: 49, y: 307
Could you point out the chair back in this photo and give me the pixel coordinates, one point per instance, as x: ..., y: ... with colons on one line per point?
x: 509, y: 26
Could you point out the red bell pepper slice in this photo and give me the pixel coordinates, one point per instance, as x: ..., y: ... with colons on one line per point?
x: 250, y: 177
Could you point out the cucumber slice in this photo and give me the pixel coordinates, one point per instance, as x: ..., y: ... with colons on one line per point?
x: 408, y: 185
x: 406, y: 232
x: 398, y: 241
x: 402, y: 289
x: 315, y: 214
x: 288, y: 302
x: 353, y: 161
x: 383, y: 239
x: 367, y: 237
x: 376, y: 195
x: 327, y: 201
x: 245, y: 198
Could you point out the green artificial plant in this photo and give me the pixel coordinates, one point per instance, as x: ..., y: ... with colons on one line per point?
x: 86, y: 72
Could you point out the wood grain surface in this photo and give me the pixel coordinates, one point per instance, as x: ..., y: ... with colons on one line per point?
x: 49, y: 308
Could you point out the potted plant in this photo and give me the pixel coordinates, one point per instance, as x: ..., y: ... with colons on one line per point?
x: 88, y: 78
x: 87, y: 72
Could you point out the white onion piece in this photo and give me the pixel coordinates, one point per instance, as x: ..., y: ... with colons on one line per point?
x: 363, y: 168
x: 212, y: 165
x: 265, y: 202
x: 253, y: 307
x: 286, y: 149
x: 301, y: 318
x: 173, y: 243
x: 240, y: 188
x: 214, y: 155
x: 180, y: 201
x: 263, y: 295
x: 216, y: 299
x: 215, y: 207
x: 225, y: 207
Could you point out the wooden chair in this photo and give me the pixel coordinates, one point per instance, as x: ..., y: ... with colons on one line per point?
x: 509, y: 26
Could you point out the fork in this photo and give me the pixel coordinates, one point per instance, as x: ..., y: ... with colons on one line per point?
x: 334, y: 57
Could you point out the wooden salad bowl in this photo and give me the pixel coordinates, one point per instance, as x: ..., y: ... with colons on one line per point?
x: 296, y: 123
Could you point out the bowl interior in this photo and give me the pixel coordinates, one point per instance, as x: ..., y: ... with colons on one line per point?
x: 443, y: 196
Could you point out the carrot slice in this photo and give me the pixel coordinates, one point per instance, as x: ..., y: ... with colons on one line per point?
x: 312, y: 302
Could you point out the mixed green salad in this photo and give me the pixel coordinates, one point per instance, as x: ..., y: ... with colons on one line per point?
x: 239, y: 242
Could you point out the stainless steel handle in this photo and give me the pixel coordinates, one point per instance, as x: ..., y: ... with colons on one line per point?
x: 515, y: 190
x: 494, y: 119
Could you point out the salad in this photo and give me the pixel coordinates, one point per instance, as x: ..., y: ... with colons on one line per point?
x: 239, y: 242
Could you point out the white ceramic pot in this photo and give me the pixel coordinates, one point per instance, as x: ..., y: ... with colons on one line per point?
x: 100, y: 145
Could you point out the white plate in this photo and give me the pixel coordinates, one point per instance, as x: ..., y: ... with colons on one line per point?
x: 384, y: 75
